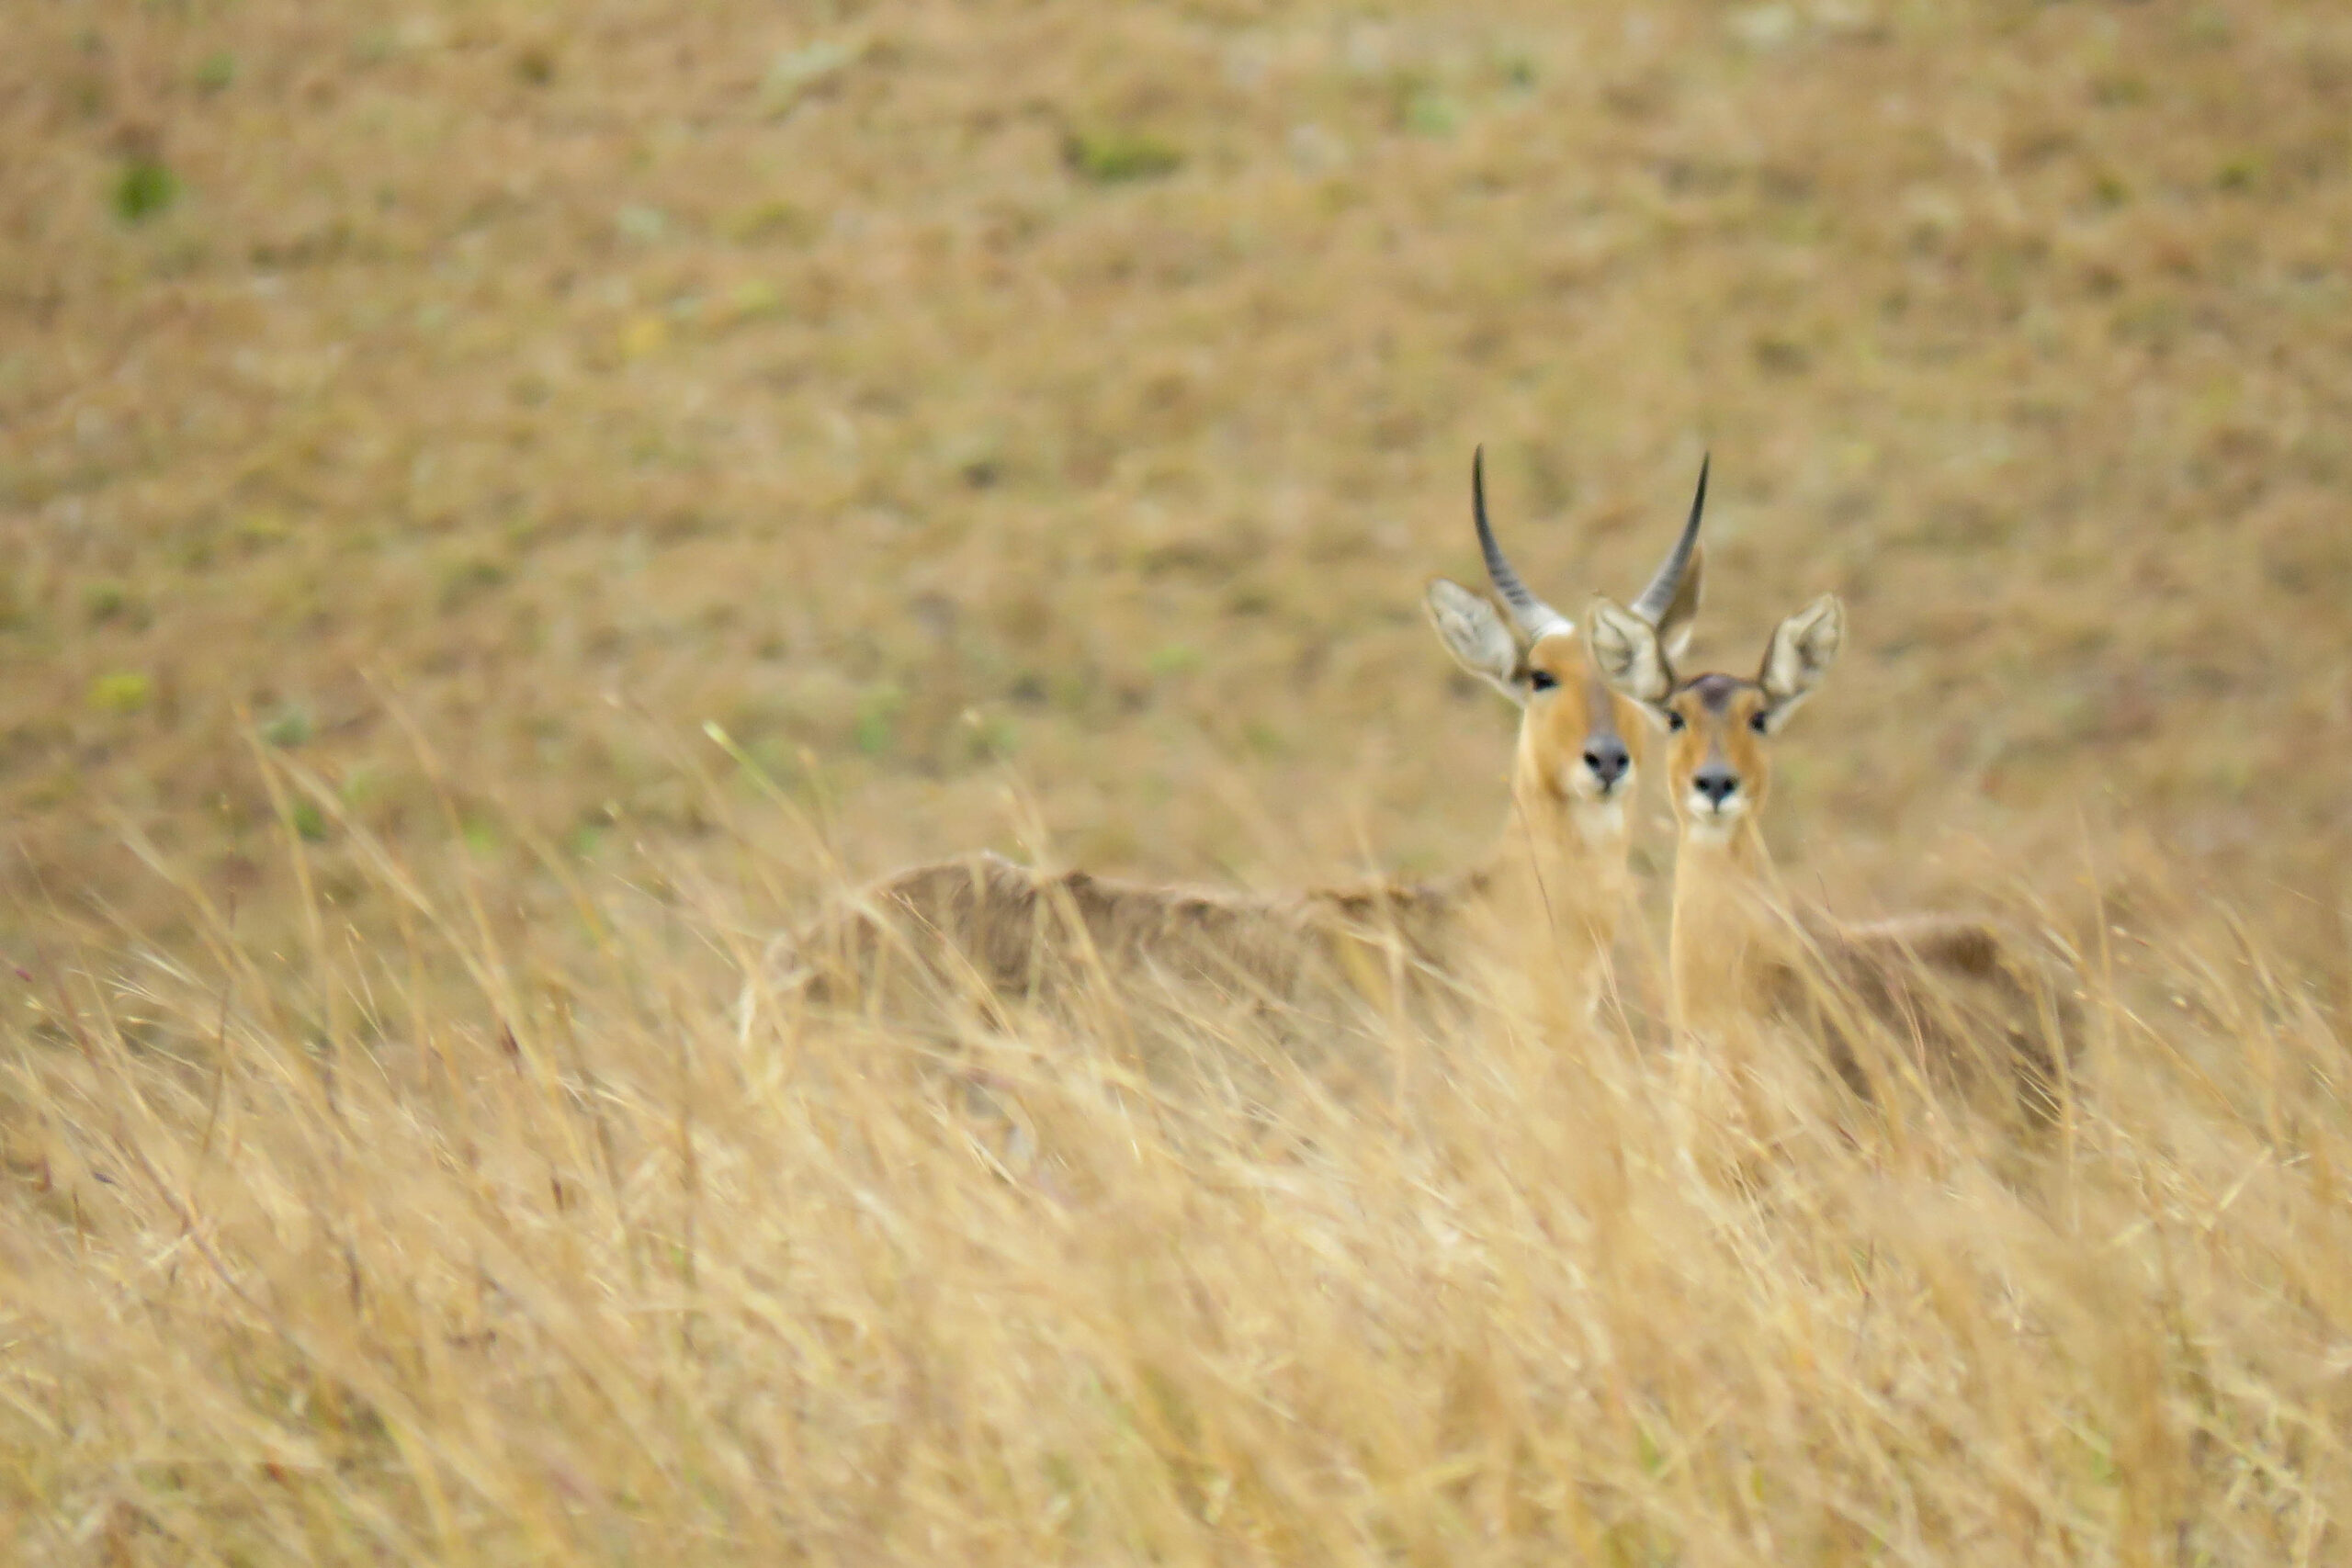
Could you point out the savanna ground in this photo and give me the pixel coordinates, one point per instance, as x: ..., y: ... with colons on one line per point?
x: 1031, y: 425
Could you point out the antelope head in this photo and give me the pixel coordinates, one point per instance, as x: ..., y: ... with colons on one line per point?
x: 1580, y: 741
x: 1719, y: 765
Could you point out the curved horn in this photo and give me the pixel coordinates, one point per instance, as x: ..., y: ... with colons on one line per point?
x: 1659, y: 594
x: 1535, y: 617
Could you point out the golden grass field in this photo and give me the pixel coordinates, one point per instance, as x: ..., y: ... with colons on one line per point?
x: 504, y: 503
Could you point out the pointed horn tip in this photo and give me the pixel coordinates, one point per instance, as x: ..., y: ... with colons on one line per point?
x: 1529, y: 613
x: 1658, y: 596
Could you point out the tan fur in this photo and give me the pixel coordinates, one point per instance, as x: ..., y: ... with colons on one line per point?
x: 1536, y: 919
x: 1534, y: 922
x: 986, y: 928
x: 1739, y: 949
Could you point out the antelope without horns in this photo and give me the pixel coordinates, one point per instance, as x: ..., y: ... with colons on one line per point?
x: 1970, y: 992
x: 1541, y: 910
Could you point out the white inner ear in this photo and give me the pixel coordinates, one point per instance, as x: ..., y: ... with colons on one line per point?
x: 1802, y: 648
x: 1472, y: 631
x: 1625, y: 651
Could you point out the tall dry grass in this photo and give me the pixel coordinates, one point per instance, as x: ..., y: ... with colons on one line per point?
x: 495, y: 1244
x: 910, y: 386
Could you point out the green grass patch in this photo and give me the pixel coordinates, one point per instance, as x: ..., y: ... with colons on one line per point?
x: 144, y: 188
x: 1113, y: 156
x: 288, y: 728
x: 1173, y: 659
x: 1427, y: 112
x: 103, y: 601
x: 463, y: 581
x: 123, y: 691
x: 875, y: 728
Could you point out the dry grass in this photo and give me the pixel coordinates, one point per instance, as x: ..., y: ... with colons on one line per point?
x: 1030, y: 427
x: 344, y: 1267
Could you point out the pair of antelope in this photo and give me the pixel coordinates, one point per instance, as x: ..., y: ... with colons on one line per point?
x: 1546, y: 906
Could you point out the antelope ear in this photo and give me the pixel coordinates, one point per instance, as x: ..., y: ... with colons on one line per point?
x: 1801, y: 652
x: 1473, y: 632
x: 1626, y: 653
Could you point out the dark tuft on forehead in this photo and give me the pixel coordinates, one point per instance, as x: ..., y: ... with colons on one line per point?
x: 1715, y: 692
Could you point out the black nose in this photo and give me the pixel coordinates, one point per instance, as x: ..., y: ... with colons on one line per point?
x: 1606, y: 759
x: 1717, y: 784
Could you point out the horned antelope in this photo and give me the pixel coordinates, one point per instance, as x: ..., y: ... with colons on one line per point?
x: 1546, y: 902
x: 1739, y: 947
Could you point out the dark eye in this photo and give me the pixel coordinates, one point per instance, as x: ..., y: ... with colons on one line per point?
x: 1542, y: 680
x: 1759, y: 721
x: 1673, y: 720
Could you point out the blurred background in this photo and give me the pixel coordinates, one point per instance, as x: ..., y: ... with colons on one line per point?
x: 958, y: 402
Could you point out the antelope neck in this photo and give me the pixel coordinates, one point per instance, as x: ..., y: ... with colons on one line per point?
x: 1740, y: 851
x: 1718, y: 921
x: 1559, y: 854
